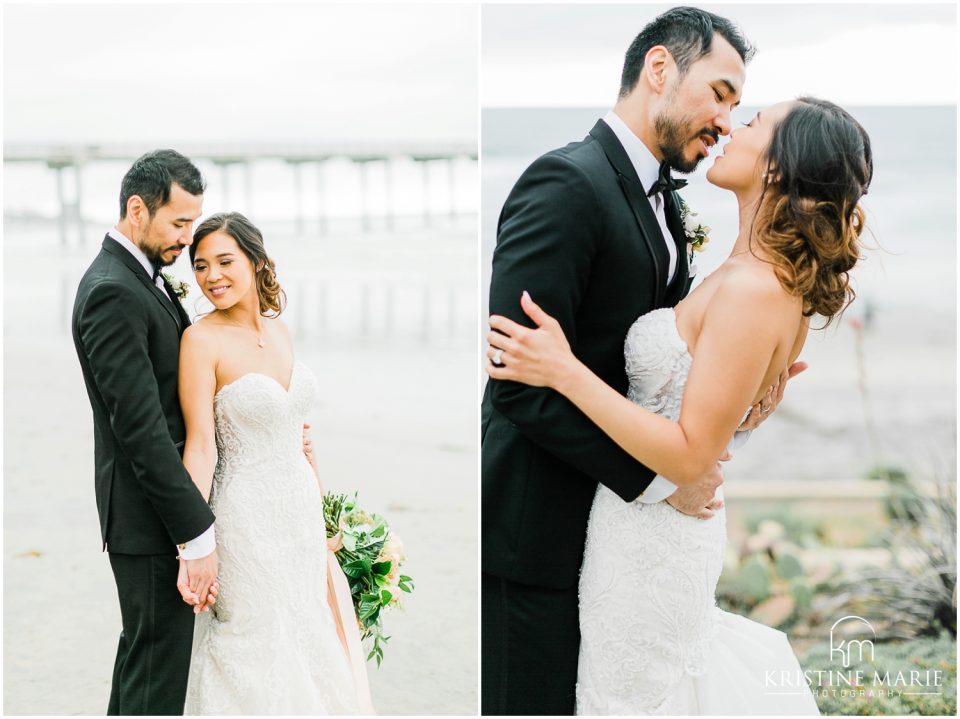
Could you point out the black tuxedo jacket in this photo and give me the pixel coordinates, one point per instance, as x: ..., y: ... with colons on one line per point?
x: 127, y: 335
x: 577, y: 232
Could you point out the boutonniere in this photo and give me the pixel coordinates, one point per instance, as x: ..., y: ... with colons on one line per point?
x: 697, y: 233
x: 180, y: 288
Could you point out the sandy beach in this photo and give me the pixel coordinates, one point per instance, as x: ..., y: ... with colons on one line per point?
x: 61, y: 616
x: 397, y: 421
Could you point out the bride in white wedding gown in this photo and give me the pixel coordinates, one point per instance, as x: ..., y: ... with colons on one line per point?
x: 272, y: 643
x: 653, y: 640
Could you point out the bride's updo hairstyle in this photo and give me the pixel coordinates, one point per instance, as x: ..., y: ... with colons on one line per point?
x: 273, y: 299
x: 819, y: 165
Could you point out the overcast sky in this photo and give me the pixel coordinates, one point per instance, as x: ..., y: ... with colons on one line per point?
x: 240, y: 72
x: 237, y: 72
x: 571, y: 55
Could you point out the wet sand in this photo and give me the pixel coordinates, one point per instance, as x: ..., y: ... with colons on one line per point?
x: 408, y: 446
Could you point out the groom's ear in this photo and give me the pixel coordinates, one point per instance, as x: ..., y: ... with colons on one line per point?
x: 656, y: 68
x: 137, y: 212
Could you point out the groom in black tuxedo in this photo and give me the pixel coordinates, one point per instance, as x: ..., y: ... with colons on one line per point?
x: 127, y: 324
x: 593, y: 232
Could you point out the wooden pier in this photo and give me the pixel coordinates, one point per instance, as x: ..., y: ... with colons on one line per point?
x: 69, y: 161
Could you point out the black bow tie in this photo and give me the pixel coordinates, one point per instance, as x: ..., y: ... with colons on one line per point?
x: 665, y: 182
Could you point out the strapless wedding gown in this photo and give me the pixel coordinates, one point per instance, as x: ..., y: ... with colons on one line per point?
x: 269, y: 645
x: 653, y: 640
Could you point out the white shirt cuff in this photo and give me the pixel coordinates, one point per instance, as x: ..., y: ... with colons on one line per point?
x: 661, y: 487
x: 739, y: 439
x: 658, y: 490
x: 199, y: 547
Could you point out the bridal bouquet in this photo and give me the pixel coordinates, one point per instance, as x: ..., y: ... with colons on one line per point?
x: 370, y: 557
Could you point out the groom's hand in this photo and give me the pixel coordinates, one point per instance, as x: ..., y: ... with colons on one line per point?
x: 308, y: 446
x: 698, y: 499
x: 195, y: 579
x: 771, y: 400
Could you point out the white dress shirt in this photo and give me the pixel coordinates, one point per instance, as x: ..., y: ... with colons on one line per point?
x: 648, y: 170
x: 204, y: 544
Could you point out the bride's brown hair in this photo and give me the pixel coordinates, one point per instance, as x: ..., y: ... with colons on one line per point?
x: 273, y: 299
x: 809, y: 221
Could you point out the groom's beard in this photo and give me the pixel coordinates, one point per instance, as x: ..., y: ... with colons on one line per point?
x: 153, y: 253
x: 673, y: 136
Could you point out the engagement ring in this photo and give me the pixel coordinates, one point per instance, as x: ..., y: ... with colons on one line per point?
x: 497, y: 358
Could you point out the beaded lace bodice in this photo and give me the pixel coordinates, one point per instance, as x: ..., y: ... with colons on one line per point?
x: 657, y: 363
x: 259, y: 424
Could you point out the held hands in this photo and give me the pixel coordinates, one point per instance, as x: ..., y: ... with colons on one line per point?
x: 540, y: 357
x: 197, y: 582
x: 771, y: 400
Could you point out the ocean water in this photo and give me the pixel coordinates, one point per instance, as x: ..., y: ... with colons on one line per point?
x: 380, y: 254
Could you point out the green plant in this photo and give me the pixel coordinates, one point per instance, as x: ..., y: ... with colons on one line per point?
x: 915, y: 595
x: 925, y: 655
x: 902, y: 503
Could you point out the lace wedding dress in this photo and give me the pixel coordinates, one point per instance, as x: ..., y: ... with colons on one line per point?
x: 653, y: 640
x: 269, y: 645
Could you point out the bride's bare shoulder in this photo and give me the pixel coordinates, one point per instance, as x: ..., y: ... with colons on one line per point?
x: 754, y: 284
x: 201, y: 335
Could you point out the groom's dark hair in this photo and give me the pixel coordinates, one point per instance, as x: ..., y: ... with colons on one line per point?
x: 687, y: 32
x: 152, y: 176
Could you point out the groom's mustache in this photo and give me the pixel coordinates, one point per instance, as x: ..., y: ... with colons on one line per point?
x: 707, y: 132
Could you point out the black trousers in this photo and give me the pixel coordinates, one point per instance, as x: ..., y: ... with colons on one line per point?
x: 530, y: 638
x: 153, y: 657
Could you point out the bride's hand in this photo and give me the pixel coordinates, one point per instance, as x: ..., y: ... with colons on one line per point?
x: 540, y: 357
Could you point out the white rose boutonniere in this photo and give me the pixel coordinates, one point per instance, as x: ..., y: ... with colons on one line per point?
x: 180, y: 288
x: 697, y: 234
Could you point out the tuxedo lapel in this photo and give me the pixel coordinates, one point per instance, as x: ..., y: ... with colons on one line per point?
x: 675, y: 225
x: 637, y: 201
x: 114, y: 248
x: 182, y: 316
x: 162, y: 298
